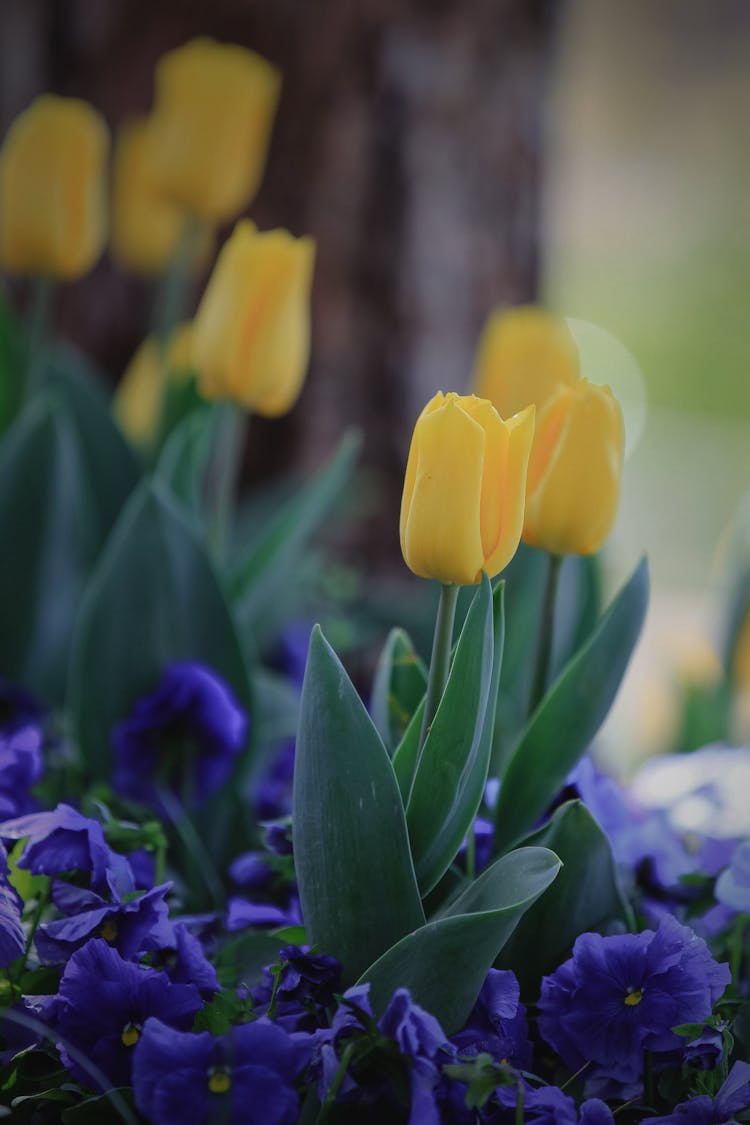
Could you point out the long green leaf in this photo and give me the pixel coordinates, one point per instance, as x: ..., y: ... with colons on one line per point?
x: 585, y: 896
x: 354, y: 869
x: 398, y: 688
x: 153, y: 599
x: 450, y: 776
x: 266, y: 566
x: 444, y: 963
x: 570, y: 714
x: 407, y: 751
x: 48, y: 547
x: 184, y: 459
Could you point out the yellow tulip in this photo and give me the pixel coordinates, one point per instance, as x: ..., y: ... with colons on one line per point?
x: 252, y: 328
x: 573, y: 482
x: 524, y: 355
x: 139, y: 396
x: 52, y: 189
x: 463, y: 501
x: 211, y: 126
x: 146, y: 226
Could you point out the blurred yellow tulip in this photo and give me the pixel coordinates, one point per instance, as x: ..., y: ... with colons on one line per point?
x: 573, y: 482
x: 463, y: 501
x: 52, y: 189
x: 146, y: 226
x: 211, y: 126
x: 139, y: 397
x: 252, y: 328
x: 524, y: 355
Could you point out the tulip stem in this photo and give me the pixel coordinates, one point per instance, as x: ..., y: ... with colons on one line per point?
x: 546, y: 629
x: 40, y: 315
x: 170, y: 306
x: 440, y: 660
x: 229, y: 447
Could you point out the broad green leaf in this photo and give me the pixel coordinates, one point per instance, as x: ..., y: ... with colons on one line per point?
x: 584, y: 897
x: 444, y: 962
x: 272, y: 557
x: 405, y: 757
x: 48, y: 547
x: 11, y: 365
x: 111, y: 467
x: 351, y: 850
x: 185, y: 458
x: 153, y: 599
x: 451, y: 772
x: 570, y: 714
x: 399, y: 687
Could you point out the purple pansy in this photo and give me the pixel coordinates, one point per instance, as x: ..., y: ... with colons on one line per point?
x: 246, y: 1076
x: 705, y: 1051
x: 619, y: 996
x: 61, y: 841
x: 104, y: 1002
x: 420, y: 1037
x: 733, y: 884
x: 497, y: 1022
x: 20, y: 768
x: 125, y: 925
x: 185, y: 735
x: 305, y: 987
x: 12, y: 936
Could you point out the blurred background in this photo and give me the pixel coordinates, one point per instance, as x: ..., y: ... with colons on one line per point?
x: 450, y: 156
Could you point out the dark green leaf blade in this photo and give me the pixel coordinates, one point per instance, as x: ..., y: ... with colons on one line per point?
x: 184, y: 459
x: 450, y: 775
x: 49, y: 546
x: 585, y: 896
x: 153, y: 599
x: 570, y: 714
x: 356, y: 880
x: 444, y: 963
x: 398, y: 688
x: 268, y: 562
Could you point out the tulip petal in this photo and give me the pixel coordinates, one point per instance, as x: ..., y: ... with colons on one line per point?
x: 520, y: 431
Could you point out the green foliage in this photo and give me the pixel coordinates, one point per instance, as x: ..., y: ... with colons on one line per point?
x: 354, y: 868
x: 570, y: 714
x: 399, y: 686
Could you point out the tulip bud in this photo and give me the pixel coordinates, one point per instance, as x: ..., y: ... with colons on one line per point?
x: 211, y: 125
x: 524, y: 355
x: 140, y: 393
x: 463, y: 501
x: 52, y: 192
x: 574, y: 474
x: 252, y: 328
x: 146, y: 226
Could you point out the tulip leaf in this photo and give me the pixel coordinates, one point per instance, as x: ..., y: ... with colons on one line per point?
x: 585, y: 896
x: 405, y: 756
x: 354, y: 870
x: 452, y: 770
x: 50, y: 544
x: 444, y: 962
x: 153, y: 599
x: 111, y: 467
x: 398, y: 689
x: 267, y: 564
x: 11, y: 365
x: 185, y: 457
x: 570, y: 714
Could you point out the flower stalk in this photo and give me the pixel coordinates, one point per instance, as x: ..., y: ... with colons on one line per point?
x: 546, y: 631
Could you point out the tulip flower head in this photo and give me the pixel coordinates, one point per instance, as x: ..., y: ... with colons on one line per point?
x: 252, y: 328
x: 140, y: 393
x: 211, y: 125
x: 573, y: 483
x: 146, y: 225
x: 524, y: 355
x: 52, y: 189
x: 463, y: 501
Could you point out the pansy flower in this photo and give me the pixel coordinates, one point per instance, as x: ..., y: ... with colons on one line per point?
x: 184, y: 736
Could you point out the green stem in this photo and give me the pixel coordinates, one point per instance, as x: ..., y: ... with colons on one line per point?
x: 333, y: 1089
x: 519, y: 1104
x: 228, y: 460
x: 546, y: 627
x: 440, y: 659
x: 40, y: 316
x: 172, y: 299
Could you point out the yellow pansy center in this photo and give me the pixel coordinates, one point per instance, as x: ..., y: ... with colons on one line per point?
x: 219, y: 1080
x: 634, y: 996
x: 130, y: 1035
x: 109, y: 931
